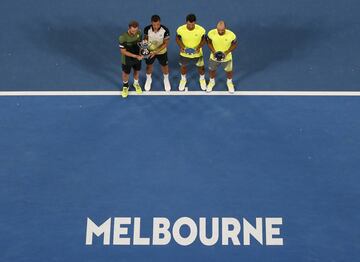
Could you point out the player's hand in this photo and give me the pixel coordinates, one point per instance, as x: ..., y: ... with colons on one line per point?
x: 182, y: 49
x: 139, y: 57
x: 197, y: 50
x: 152, y: 54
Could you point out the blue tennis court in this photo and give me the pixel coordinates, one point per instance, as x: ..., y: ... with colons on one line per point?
x: 290, y: 160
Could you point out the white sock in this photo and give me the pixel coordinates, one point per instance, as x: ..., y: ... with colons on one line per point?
x: 166, y: 76
x: 148, y: 76
x: 183, y: 77
x: 229, y: 80
x: 136, y: 81
x: 202, y: 77
x: 212, y: 79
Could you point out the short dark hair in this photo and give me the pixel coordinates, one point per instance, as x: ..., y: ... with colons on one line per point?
x: 134, y: 24
x: 155, y: 18
x: 191, y: 18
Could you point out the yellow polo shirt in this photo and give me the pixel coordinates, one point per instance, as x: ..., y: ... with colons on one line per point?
x: 191, y: 39
x: 221, y: 42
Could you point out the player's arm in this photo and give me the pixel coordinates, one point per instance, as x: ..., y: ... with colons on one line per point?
x: 163, y: 46
x: 232, y: 47
x: 180, y: 43
x: 202, y: 43
x: 124, y: 52
x: 210, y: 45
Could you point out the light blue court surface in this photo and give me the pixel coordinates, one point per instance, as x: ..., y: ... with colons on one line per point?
x: 65, y: 159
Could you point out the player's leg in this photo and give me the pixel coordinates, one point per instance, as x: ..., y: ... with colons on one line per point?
x: 229, y: 74
x: 201, y: 69
x: 149, y: 69
x: 125, y: 78
x: 183, y: 63
x: 212, y: 72
x: 137, y: 68
x: 164, y: 63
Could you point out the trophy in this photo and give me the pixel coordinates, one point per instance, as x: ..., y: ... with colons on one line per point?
x: 144, y: 48
x: 219, y: 56
x: 190, y: 51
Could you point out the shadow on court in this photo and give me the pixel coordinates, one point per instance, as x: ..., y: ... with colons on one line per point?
x: 262, y: 45
x: 93, y: 47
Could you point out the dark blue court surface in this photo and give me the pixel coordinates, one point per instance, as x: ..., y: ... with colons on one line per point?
x: 66, y: 159
x: 283, y: 45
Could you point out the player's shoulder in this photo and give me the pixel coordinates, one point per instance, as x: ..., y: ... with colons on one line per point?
x: 165, y: 28
x: 181, y: 29
x: 166, y: 31
x: 200, y: 28
x: 124, y: 34
x: 139, y: 34
x: 146, y: 29
x: 212, y: 32
x: 231, y: 33
x: 123, y: 37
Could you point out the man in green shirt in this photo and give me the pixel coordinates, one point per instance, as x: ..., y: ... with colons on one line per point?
x: 130, y: 57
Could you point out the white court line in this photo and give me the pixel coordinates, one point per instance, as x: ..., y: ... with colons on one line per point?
x: 178, y: 93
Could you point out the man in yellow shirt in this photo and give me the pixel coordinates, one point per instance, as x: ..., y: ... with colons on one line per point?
x: 221, y: 42
x: 191, y: 38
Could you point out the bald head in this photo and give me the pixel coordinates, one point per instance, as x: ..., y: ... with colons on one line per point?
x: 221, y: 27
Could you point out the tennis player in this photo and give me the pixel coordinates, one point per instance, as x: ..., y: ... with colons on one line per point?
x: 191, y: 37
x: 158, y: 37
x: 221, y: 42
x: 130, y: 57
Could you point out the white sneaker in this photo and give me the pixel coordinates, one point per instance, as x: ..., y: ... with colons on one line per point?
x: 210, y: 86
x: 230, y: 86
x: 182, y: 85
x: 167, y: 85
x: 148, y: 84
x: 202, y: 84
